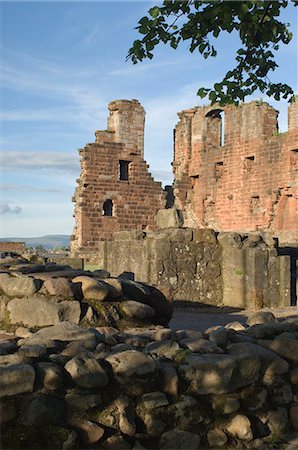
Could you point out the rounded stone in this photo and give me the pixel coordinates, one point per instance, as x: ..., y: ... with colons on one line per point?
x: 260, y: 317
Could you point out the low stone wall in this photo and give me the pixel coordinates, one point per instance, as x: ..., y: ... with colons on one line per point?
x: 203, y: 266
x: 13, y: 247
x: 230, y: 387
x: 38, y: 295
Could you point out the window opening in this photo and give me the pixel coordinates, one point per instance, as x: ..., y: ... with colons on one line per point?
x: 255, y: 203
x: 218, y: 170
x: 107, y: 208
x: 216, y: 127
x: 294, y: 158
x: 249, y: 164
x: 123, y: 170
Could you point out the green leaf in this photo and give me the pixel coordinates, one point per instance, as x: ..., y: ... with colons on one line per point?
x: 154, y: 12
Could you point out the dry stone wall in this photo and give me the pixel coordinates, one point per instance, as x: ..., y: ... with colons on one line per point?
x: 155, y: 388
x: 13, y: 247
x: 235, y: 172
x: 203, y: 266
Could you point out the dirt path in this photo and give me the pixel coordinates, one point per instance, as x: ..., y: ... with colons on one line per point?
x: 202, y: 317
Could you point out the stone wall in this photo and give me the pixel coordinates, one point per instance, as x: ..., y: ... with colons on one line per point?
x: 14, y: 247
x: 115, y: 190
x: 203, y: 266
x: 235, y: 172
x: 155, y: 388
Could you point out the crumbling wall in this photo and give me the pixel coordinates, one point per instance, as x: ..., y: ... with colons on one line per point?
x: 15, y: 247
x: 199, y: 265
x: 235, y: 172
x: 115, y: 190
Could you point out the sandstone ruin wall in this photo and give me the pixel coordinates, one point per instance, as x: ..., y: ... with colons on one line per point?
x: 235, y: 172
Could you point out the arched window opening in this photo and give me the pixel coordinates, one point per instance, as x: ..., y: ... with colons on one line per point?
x: 216, y: 127
x: 107, y: 208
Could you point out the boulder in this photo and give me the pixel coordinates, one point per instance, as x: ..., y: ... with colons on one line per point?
x: 82, y: 402
x: 133, y: 370
x: 200, y: 345
x: 50, y: 375
x: 45, y: 410
x: 39, y: 312
x: 86, y: 372
x: 179, y: 440
x: 285, y: 346
x: 16, y: 379
x: 225, y: 372
x: 20, y: 286
x: 91, y: 288
x: 89, y: 432
x: 65, y: 332
x: 240, y: 427
x: 294, y: 417
x: 115, y: 288
x: 136, y: 310
x: 216, y: 438
x: 167, y: 348
x: 272, y: 365
x: 59, y: 287
x: 260, y: 317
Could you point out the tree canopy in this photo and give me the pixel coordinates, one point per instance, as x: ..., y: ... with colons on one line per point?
x: 199, y: 22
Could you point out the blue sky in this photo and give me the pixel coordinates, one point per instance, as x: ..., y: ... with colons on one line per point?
x: 61, y: 64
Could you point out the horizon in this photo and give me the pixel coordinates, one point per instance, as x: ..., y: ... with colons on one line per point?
x: 62, y: 63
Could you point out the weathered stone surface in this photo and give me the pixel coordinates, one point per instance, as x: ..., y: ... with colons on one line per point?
x: 268, y: 330
x: 294, y: 417
x: 115, y: 288
x: 260, y: 317
x: 38, y: 312
x: 8, y: 412
x: 169, y: 378
x: 225, y: 404
x: 132, y: 367
x: 271, y: 364
x: 82, y: 402
x: 285, y: 346
x: 137, y: 310
x: 216, y: 438
x: 201, y: 345
x: 225, y: 372
x: 154, y: 400
x: 282, y: 393
x: 19, y: 286
x: 7, y: 347
x: 45, y: 410
x: 64, y: 331
x: 58, y: 287
x: 16, y: 379
x: 86, y: 372
x: 276, y: 420
x: 135, y: 291
x: 240, y: 427
x: 90, y: 432
x: 92, y: 289
x: 179, y: 440
x: 219, y: 336
x: 168, y: 218
x: 166, y: 348
x: 50, y: 375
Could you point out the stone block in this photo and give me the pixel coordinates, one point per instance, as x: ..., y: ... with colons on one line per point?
x: 169, y: 218
x: 16, y: 379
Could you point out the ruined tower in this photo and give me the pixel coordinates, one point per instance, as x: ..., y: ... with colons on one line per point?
x: 115, y: 190
x: 235, y: 172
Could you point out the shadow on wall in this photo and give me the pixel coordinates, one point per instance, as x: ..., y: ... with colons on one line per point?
x: 293, y: 253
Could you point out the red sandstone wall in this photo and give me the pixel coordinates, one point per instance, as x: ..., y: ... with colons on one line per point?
x: 247, y: 182
x: 135, y: 201
x: 16, y: 247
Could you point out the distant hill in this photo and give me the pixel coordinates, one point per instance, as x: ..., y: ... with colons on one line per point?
x: 49, y: 241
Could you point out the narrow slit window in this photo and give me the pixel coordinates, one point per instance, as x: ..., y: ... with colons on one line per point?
x: 218, y: 170
x: 123, y: 170
x: 107, y: 208
x: 294, y: 158
x: 255, y: 203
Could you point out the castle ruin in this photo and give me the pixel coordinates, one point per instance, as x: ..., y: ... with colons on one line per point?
x: 115, y: 190
x: 234, y: 171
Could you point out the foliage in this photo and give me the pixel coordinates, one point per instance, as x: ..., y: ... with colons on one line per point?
x: 199, y: 22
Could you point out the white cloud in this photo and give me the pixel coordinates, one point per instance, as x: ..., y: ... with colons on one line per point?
x: 6, y: 209
x: 16, y: 161
x: 31, y: 189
